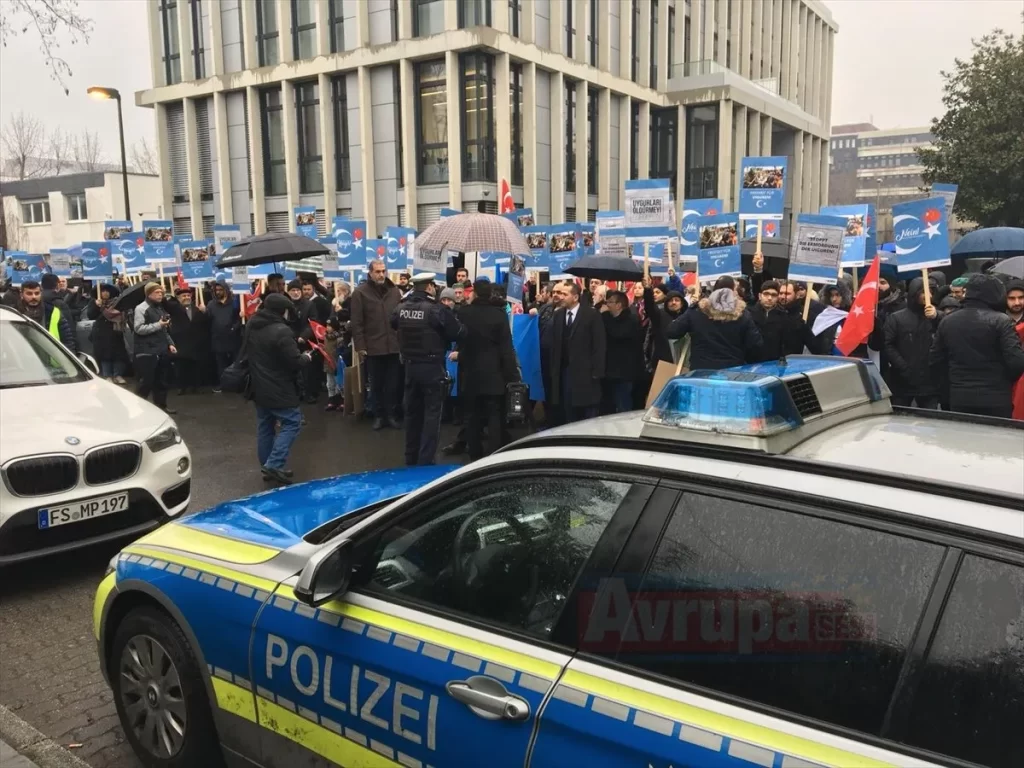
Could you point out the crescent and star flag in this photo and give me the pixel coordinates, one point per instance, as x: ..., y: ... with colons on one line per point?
x: 507, y: 205
x: 861, y: 320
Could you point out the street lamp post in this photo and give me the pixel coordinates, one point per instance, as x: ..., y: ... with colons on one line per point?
x: 112, y: 93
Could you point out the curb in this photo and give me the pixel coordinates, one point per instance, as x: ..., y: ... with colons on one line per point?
x: 33, y: 744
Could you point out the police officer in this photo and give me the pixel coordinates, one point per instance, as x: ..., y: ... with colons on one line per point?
x: 426, y: 329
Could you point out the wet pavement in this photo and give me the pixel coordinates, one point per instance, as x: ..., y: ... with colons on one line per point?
x: 49, y: 671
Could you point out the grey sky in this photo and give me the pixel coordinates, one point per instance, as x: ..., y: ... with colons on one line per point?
x: 882, y: 70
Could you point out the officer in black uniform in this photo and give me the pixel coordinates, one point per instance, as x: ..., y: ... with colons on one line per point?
x: 426, y: 329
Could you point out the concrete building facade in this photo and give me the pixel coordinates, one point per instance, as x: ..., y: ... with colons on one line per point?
x: 390, y: 110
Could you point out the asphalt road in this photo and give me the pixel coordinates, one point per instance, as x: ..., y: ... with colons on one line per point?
x: 49, y: 671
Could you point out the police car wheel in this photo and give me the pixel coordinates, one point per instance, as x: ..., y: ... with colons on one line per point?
x: 160, y: 695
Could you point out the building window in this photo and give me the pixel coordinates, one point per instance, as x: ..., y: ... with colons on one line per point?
x: 311, y: 166
x: 671, y: 41
x: 663, y: 144
x: 654, y: 44
x: 474, y: 13
x: 303, y: 29
x: 76, y: 207
x: 634, y: 41
x: 702, y: 151
x: 274, y: 174
x: 427, y: 18
x: 570, y: 28
x: 342, y: 166
x: 172, y: 51
x: 198, y: 40
x: 478, y: 118
x: 515, y: 79
x: 592, y: 37
x: 570, y: 136
x: 686, y: 43
x: 396, y: 77
x: 393, y: 12
x: 592, y: 142
x: 515, y: 16
x: 634, y: 153
x: 336, y: 18
x: 432, y: 109
x: 35, y: 212
x: 267, y: 32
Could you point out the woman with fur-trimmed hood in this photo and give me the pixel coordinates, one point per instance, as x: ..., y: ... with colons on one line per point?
x: 722, y: 332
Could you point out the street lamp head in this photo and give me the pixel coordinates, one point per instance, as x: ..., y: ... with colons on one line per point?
x: 98, y: 92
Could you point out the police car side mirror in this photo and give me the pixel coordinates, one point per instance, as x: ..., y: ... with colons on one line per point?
x: 326, y: 574
x: 89, y: 362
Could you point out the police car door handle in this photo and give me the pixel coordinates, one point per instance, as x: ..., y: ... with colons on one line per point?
x: 488, y: 698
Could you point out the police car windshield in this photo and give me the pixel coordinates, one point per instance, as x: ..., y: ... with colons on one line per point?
x: 29, y: 357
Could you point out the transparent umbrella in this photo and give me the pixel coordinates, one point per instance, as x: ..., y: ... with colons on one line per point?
x: 473, y: 233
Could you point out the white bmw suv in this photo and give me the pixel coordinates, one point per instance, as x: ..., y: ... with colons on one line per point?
x: 81, y: 460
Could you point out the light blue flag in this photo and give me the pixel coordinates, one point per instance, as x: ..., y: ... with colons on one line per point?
x: 921, y: 235
x: 97, y: 261
x: 719, y: 247
x: 763, y: 187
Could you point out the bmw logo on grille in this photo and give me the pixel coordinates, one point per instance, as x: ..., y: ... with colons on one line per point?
x: 72, y: 440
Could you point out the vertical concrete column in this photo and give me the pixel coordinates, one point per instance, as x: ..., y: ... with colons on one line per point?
x: 259, y: 202
x: 723, y: 31
x: 769, y: 10
x: 739, y: 149
x: 794, y: 51
x: 528, y: 23
x: 625, y: 139
x: 604, y: 42
x: 323, y: 40
x: 725, y: 151
x: 499, y: 15
x: 806, y: 54
x: 164, y: 154
x: 797, y: 173
x: 741, y: 13
x: 753, y: 133
x: 696, y: 32
x: 644, y: 52
x: 250, y: 50
x: 556, y: 31
x: 451, y: 14
x: 603, y: 149
x: 217, y: 41
x: 823, y: 169
x: 220, y: 129
x: 787, y: 77
x: 766, y: 135
x: 756, y: 12
x: 407, y: 125
x: 530, y: 132
x: 557, y: 146
x: 192, y: 165
x: 643, y: 143
x: 156, y: 45
x: 289, y: 126
x: 405, y: 12
x: 826, y: 88
x: 185, y: 40
x: 809, y: 174
x: 582, y: 156
x: 709, y: 30
x: 328, y: 151
x: 284, y: 37
x: 662, y: 44
x: 625, y: 40
x: 814, y: 171
x: 451, y: 61
x: 362, y: 41
x: 776, y: 49
x: 680, y: 190
x: 678, y: 43
x: 502, y: 117
x: 818, y: 67
x: 366, y: 150
x: 581, y: 16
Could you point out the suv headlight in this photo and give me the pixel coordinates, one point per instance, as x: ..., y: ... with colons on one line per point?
x: 167, y: 437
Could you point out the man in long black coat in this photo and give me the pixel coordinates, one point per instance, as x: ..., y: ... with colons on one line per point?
x: 190, y: 330
x: 577, y: 356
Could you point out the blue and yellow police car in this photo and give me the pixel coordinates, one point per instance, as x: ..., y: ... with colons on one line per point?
x: 770, y: 567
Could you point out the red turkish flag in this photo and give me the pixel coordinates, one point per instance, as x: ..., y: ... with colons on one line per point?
x: 181, y: 281
x: 253, y: 301
x: 319, y: 330
x: 507, y: 204
x: 861, y: 320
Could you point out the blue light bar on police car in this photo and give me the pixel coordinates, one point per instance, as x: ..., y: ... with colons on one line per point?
x: 731, y: 402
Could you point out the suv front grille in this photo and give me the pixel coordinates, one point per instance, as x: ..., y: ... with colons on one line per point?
x: 803, y: 394
x: 42, y: 475
x: 111, y: 463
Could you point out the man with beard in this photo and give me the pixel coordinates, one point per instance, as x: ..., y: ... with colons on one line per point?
x: 190, y: 333
x: 32, y: 305
x: 225, y: 328
x: 376, y: 341
x: 979, y: 351
x: 780, y: 320
x: 908, y: 342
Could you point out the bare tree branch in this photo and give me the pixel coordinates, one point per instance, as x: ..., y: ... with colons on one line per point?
x: 50, y: 20
x: 87, y: 152
x: 58, y: 152
x: 142, y: 157
x: 22, y: 140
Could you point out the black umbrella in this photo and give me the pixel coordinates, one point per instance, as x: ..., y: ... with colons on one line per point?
x: 607, y: 268
x: 269, y: 248
x: 131, y: 297
x: 1013, y: 267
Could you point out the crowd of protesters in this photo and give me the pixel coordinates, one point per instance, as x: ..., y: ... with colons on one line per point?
x: 600, y: 344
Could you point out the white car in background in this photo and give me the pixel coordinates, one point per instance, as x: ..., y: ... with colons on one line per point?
x: 82, y: 461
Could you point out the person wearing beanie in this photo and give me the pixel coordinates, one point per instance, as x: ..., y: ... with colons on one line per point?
x: 274, y: 366
x: 957, y: 287
x: 153, y: 346
x: 722, y: 332
x: 977, y: 350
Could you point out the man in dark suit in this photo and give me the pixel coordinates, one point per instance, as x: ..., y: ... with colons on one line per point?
x: 577, y: 356
x: 190, y: 332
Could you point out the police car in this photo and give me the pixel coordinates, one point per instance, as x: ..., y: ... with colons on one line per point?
x: 82, y: 461
x: 771, y: 567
